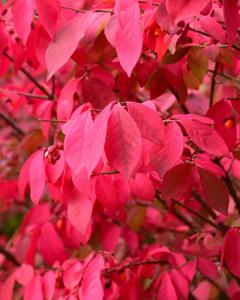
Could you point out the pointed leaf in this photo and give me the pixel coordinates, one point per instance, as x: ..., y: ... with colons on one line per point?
x: 231, y: 251
x: 205, y: 137
x: 165, y: 157
x: 148, y: 121
x: 129, y: 36
x: 214, y: 191
x: 183, y: 9
x: 22, y: 18
x: 48, y: 12
x: 65, y: 42
x: 48, y: 237
x: 166, y: 290
x: 123, y: 144
x: 92, y: 287
x: 79, y: 212
x: 230, y: 9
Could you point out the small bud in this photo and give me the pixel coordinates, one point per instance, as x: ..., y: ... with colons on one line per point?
x: 158, y: 31
x: 230, y: 123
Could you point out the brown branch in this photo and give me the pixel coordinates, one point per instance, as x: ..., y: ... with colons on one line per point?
x: 213, y: 84
x: 229, y: 183
x: 51, y: 121
x: 133, y: 264
x: 11, y: 123
x: 223, y: 230
x: 8, y: 255
x: 229, y: 77
x: 84, y: 11
x: 105, y: 173
x: 29, y: 95
x: 30, y: 77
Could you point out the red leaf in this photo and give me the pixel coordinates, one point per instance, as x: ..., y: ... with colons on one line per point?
x: 230, y: 9
x: 213, y: 28
x: 34, y: 289
x: 129, y: 36
x: 48, y: 237
x: 75, y: 151
x: 6, y: 289
x: 183, y: 9
x: 214, y: 191
x: 95, y: 142
x: 65, y: 42
x: 231, y: 251
x: 148, y: 121
x: 165, y: 157
x: 166, y: 290
x: 208, y: 268
x: 48, y: 284
x: 37, y: 176
x: 225, y: 123
x: 79, y: 211
x: 205, y: 137
x: 22, y: 18
x: 123, y: 144
x: 48, y: 12
x: 92, y: 287
x: 178, y: 182
x: 180, y: 283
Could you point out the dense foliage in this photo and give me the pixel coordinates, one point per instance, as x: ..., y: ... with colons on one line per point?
x: 120, y: 154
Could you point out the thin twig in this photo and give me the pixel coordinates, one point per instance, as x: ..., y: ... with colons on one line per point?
x: 78, y: 10
x: 9, y: 256
x: 105, y: 173
x: 229, y: 77
x: 200, y: 216
x: 30, y: 77
x: 29, y: 95
x: 51, y: 121
x: 213, y: 84
x: 11, y: 123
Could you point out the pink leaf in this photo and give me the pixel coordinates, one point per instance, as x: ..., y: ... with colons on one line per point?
x: 180, y: 283
x: 65, y: 42
x: 230, y: 9
x: 6, y: 289
x: 165, y: 157
x: 65, y: 101
x: 213, y: 28
x: 48, y: 285
x: 123, y: 144
x: 75, y: 150
x: 37, y: 176
x: 143, y: 187
x: 166, y: 290
x: 96, y: 139
x: 183, y: 9
x: 231, y: 251
x: 178, y: 182
x: 129, y: 36
x: 205, y: 137
x: 214, y: 191
x: 22, y: 18
x: 92, y: 287
x: 24, y: 274
x: 208, y: 268
x: 148, y: 121
x: 48, y: 12
x: 79, y: 211
x: 48, y: 237
x: 34, y: 289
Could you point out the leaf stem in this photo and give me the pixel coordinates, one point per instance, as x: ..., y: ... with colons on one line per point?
x: 11, y: 123
x: 30, y: 77
x: 8, y: 255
